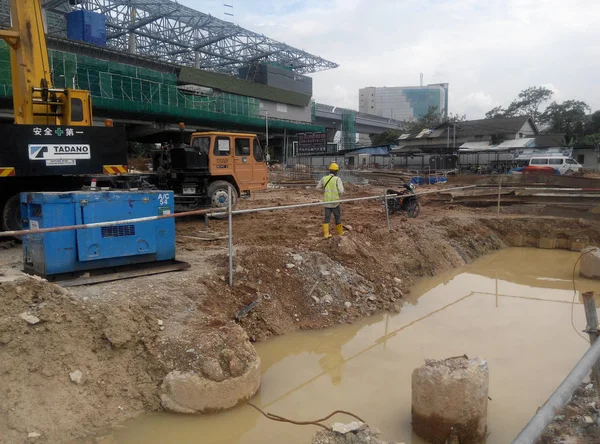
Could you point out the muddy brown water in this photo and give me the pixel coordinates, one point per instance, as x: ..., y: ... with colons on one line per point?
x: 512, y: 307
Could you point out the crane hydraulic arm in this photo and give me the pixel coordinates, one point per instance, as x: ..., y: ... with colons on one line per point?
x: 35, y: 101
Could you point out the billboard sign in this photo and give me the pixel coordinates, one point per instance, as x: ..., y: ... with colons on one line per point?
x: 312, y: 143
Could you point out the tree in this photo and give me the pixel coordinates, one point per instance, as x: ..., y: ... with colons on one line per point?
x: 388, y: 137
x: 527, y: 103
x: 495, y: 113
x: 431, y: 119
x: 569, y: 117
x: 593, y: 125
x: 589, y: 141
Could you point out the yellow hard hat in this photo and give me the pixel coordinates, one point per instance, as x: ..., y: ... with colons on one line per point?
x: 334, y: 167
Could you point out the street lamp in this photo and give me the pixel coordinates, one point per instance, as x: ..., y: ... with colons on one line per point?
x: 267, y: 155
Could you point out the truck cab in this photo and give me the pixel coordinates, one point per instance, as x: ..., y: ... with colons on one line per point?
x: 202, y: 172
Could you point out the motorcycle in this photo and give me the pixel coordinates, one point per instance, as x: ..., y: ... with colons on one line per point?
x: 407, y: 201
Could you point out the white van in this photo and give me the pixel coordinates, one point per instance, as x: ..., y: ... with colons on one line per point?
x: 561, y: 164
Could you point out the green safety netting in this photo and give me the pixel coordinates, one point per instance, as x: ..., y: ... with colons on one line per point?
x: 127, y: 88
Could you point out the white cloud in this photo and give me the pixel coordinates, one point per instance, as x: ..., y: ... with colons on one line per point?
x: 487, y: 51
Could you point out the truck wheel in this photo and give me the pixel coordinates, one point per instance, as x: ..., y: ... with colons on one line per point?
x: 11, y: 214
x: 218, y: 194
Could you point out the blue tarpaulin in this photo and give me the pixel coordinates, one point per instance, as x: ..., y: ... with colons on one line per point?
x: 418, y: 180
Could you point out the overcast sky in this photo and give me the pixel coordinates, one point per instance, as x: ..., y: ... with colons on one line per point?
x: 488, y: 50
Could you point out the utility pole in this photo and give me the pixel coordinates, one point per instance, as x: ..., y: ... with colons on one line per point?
x: 268, y: 157
x: 454, y: 142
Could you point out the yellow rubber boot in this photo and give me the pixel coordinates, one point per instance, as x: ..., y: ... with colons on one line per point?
x: 326, y: 234
x: 339, y: 229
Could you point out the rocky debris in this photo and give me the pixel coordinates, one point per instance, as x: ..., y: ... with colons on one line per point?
x: 578, y: 421
x: 160, y: 322
x: 209, y: 369
x: 352, y: 433
x: 77, y: 377
x: 590, y: 263
x: 33, y: 435
x: 290, y: 266
x: 342, y: 428
x: 450, y: 396
x: 347, y: 304
x: 327, y: 299
x: 29, y: 318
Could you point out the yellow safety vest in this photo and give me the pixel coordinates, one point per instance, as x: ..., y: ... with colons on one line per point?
x: 330, y: 187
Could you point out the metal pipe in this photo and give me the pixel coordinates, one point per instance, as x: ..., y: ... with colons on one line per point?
x: 104, y: 224
x: 387, y: 211
x: 591, y: 317
x: 209, y: 212
x: 559, y: 398
x: 355, y: 199
x: 55, y: 90
x: 230, y: 236
x: 499, y: 191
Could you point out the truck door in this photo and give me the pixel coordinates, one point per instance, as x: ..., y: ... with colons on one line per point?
x: 221, y: 163
x: 243, y: 162
x: 259, y: 167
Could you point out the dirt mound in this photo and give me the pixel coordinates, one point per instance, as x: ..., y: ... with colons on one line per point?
x: 66, y: 369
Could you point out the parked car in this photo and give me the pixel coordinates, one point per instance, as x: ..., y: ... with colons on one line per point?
x: 549, y: 165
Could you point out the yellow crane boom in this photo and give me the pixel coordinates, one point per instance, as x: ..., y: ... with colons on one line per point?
x: 34, y: 99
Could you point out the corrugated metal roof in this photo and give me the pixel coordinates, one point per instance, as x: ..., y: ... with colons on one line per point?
x: 405, y: 149
x: 423, y: 133
x: 517, y: 143
x: 475, y: 145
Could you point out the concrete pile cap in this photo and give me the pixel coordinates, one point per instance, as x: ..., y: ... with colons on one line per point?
x: 458, y: 363
x: 449, y: 399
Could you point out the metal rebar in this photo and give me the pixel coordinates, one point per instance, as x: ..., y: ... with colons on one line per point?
x: 230, y: 236
x: 544, y: 416
x: 591, y: 317
x: 387, y: 211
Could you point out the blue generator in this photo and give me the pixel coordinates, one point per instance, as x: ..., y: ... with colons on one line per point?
x: 77, y: 251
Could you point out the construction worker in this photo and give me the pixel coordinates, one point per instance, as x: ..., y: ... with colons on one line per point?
x: 332, y: 188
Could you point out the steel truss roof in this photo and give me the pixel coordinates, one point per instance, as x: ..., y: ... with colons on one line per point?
x: 175, y: 33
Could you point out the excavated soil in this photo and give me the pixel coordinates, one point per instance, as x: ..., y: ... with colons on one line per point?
x: 125, y: 336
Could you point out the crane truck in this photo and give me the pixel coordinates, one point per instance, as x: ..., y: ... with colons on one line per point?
x: 54, y: 146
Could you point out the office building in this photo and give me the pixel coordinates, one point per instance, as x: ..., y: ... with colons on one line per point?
x: 403, y: 102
